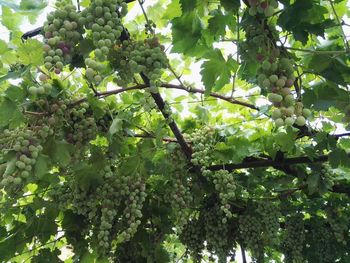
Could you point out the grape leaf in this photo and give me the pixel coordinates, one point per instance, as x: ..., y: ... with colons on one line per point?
x: 231, y: 5
x: 31, y: 52
x: 187, y: 35
x: 218, y: 23
x: 216, y: 71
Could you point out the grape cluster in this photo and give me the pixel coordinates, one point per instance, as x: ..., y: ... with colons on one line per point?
x: 81, y: 126
x: 108, y: 196
x: 257, y: 43
x: 135, y: 190
x: 269, y: 216
x: 100, y: 205
x: 250, y: 231
x: 225, y: 185
x: 193, y: 237
x: 339, y: 224
x: 322, y: 245
x: 217, y: 233
x: 103, y: 18
x: 294, y: 238
x: 180, y: 196
x: 203, y: 142
x: 275, y: 74
x: 62, y: 32
x: 266, y: 7
x: 26, y: 144
x: 145, y: 57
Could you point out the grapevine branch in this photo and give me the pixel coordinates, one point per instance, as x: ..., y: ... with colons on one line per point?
x: 215, y: 95
x: 179, y: 87
x: 173, y: 126
x: 257, y: 163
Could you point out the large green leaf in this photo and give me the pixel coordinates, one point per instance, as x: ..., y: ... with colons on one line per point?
x: 31, y: 52
x: 304, y: 17
x: 231, y: 5
x: 10, y: 114
x: 324, y: 95
x: 187, y: 35
x: 216, y: 70
x: 219, y: 22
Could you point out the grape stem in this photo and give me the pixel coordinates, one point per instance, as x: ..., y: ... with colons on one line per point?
x: 146, y: 17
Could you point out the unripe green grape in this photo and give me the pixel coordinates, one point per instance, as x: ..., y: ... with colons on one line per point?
x: 32, y: 90
x: 48, y: 59
x: 273, y: 78
x: 285, y: 91
x: 25, y: 174
x: 306, y: 113
x: 266, y: 65
x: 40, y: 90
x: 105, y: 50
x: 51, y: 53
x: 289, y: 111
x: 261, y: 78
x: 90, y: 73
x: 289, y: 121
x: 59, y: 65
x: 52, y: 42
x: 56, y: 58
x: 300, y: 121
x: 101, y: 43
x: 276, y: 114
x: 97, y: 78
x: 95, y: 27
x: 21, y: 165
x: 274, y: 67
x: 266, y: 83
x: 280, y: 82
x: 98, y: 10
x: 100, y: 21
x: 98, y: 53
x: 17, y: 181
x: 275, y: 98
x: 289, y: 100
x: 279, y: 122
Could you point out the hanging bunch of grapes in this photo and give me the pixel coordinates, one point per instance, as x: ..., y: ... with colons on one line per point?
x: 219, y: 237
x: 193, y: 236
x: 21, y: 149
x: 62, y: 32
x: 275, y: 73
x: 293, y: 238
x: 225, y: 185
x: 146, y: 57
x: 103, y: 20
x: 103, y: 206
